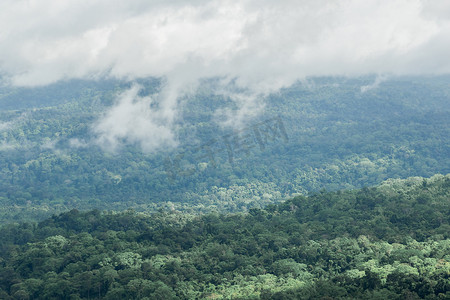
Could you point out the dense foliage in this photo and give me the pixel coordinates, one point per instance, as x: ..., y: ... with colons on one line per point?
x: 387, y: 242
x: 339, y: 136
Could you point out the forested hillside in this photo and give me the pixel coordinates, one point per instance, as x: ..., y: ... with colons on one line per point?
x: 204, y: 149
x: 323, y: 133
x: 391, y: 241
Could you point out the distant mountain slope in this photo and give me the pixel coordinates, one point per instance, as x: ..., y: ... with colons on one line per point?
x: 339, y: 134
x: 387, y: 242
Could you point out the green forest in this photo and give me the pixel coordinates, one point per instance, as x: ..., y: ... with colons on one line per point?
x: 335, y: 137
x: 331, y: 191
x: 235, y: 150
x: 391, y: 241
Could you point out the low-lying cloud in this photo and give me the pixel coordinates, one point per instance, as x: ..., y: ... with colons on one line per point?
x: 259, y: 45
x: 133, y: 120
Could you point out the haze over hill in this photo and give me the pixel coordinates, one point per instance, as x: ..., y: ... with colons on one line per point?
x: 253, y: 48
x: 224, y: 149
x: 324, y: 134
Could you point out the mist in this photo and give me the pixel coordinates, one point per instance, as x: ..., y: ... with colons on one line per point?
x: 259, y: 46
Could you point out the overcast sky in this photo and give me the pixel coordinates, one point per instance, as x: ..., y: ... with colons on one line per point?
x: 262, y: 44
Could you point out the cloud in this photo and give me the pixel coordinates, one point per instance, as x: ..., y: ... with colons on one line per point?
x: 264, y: 44
x: 77, y: 143
x: 5, y: 146
x: 135, y: 120
x: 378, y: 80
x: 246, y: 107
x: 5, y: 126
x: 49, y: 144
x: 260, y: 46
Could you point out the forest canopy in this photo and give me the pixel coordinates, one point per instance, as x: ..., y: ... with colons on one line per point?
x: 336, y: 136
x: 385, y: 242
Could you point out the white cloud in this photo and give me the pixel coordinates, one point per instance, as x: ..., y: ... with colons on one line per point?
x: 263, y: 45
x: 5, y: 126
x: 5, y: 146
x: 49, y: 144
x: 77, y: 143
x: 133, y: 119
x: 247, y: 107
x: 378, y: 80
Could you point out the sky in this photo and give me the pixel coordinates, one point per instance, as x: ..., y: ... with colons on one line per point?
x: 260, y: 46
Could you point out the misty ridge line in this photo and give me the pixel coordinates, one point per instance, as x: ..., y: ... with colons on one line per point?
x: 260, y: 46
x: 258, y: 135
x: 150, y: 121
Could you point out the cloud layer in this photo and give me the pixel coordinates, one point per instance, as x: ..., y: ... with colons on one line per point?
x: 132, y: 120
x: 264, y: 44
x: 261, y: 45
